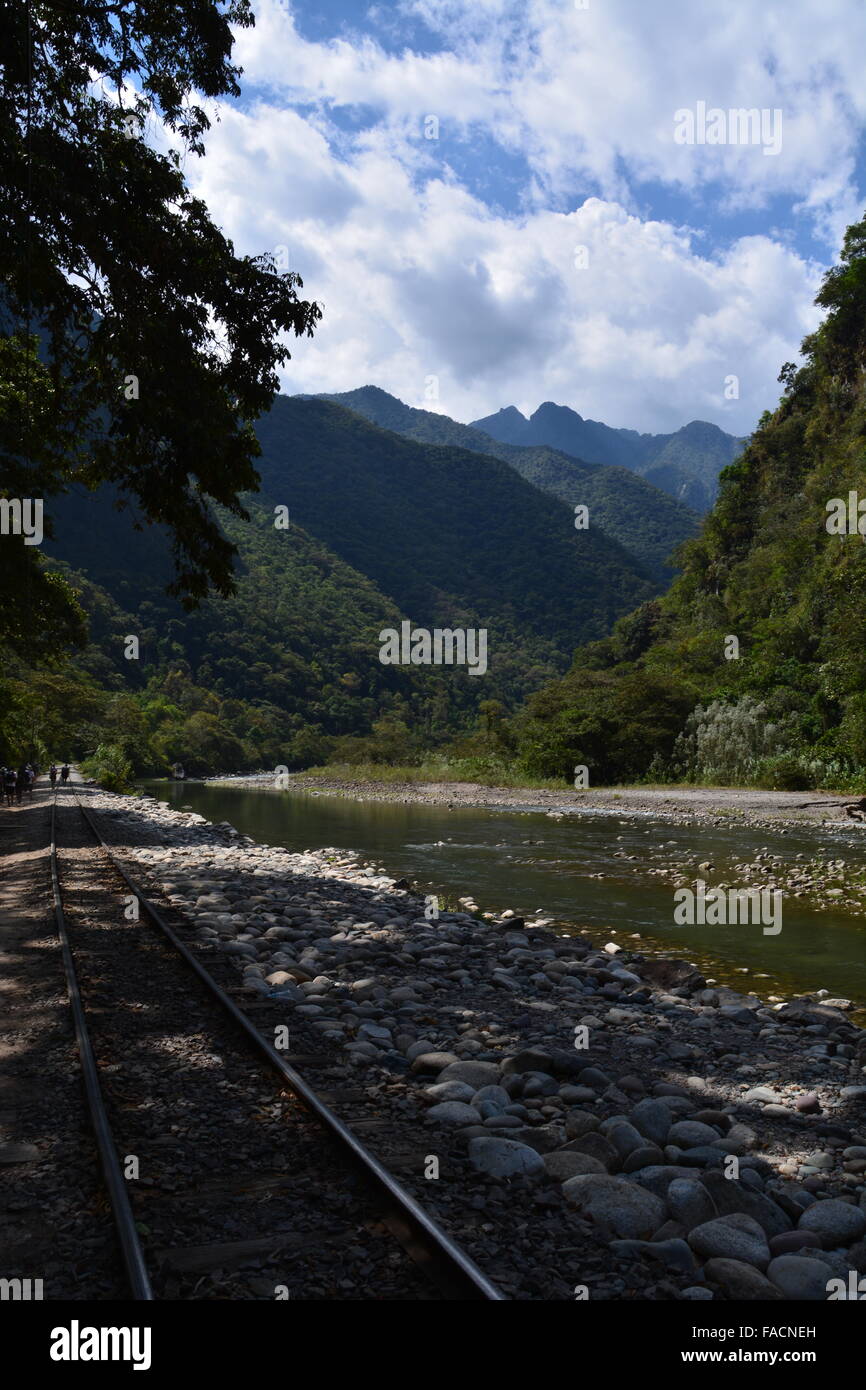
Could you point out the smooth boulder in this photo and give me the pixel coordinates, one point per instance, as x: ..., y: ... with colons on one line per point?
x: 622, y: 1207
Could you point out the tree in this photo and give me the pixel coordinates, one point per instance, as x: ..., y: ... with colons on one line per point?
x: 40, y: 611
x: 157, y: 344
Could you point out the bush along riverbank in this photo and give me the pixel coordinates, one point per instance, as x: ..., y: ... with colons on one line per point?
x: 590, y: 1122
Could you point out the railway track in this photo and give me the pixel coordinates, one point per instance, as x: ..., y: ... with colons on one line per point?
x: 228, y: 1175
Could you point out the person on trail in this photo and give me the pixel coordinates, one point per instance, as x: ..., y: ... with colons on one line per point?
x: 20, y: 783
x: 31, y: 778
x: 9, y: 785
x: 52, y: 773
x: 64, y: 773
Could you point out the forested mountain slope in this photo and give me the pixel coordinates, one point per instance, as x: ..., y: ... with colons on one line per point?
x: 445, y: 533
x: 754, y: 665
x: 287, y: 668
x: 647, y: 522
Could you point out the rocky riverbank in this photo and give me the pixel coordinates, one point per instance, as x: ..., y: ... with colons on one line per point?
x: 678, y: 805
x: 590, y: 1121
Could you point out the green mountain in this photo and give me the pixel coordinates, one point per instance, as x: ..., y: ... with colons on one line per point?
x: 271, y: 675
x: 686, y: 464
x: 645, y: 521
x: 753, y: 666
x: 287, y: 670
x: 446, y: 534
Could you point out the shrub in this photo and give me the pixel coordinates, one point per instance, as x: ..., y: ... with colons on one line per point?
x: 726, y: 741
x: 784, y: 773
x: 110, y: 767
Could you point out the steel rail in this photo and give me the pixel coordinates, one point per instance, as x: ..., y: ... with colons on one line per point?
x: 446, y: 1263
x: 124, y: 1220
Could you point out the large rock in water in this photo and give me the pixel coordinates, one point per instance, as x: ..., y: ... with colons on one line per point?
x: 503, y: 1158
x: 671, y: 974
x: 623, y: 1208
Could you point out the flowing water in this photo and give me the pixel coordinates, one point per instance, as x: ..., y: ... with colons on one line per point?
x: 527, y: 861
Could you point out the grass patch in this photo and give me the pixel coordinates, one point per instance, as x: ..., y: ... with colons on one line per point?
x: 433, y: 770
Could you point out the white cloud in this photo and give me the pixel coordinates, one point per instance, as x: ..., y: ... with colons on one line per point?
x: 432, y: 284
x: 592, y: 93
x: 420, y: 277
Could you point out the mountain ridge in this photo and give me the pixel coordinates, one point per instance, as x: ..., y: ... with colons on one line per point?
x: 643, y: 519
x: 685, y: 464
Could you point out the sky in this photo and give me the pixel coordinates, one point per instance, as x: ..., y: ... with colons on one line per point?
x: 504, y: 203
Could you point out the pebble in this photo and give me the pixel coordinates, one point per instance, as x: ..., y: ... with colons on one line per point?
x: 435, y: 1062
x: 653, y: 1119
x: 451, y: 1090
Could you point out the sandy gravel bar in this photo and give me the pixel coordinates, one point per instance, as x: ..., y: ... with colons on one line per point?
x: 715, y: 805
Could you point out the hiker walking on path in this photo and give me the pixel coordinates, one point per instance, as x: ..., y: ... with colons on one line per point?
x: 64, y: 773
x: 52, y: 773
x: 9, y: 784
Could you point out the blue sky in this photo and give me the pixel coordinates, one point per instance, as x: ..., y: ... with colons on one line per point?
x: 450, y: 267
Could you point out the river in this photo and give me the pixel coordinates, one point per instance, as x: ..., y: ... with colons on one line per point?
x: 527, y: 861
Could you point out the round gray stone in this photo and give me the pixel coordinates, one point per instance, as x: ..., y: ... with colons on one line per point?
x: 836, y: 1222
x: 622, y: 1207
x: 563, y: 1164
x: 690, y: 1203
x: 653, y: 1119
x: 735, y: 1237
x: 799, y: 1277
x: 688, y: 1134
x: 450, y: 1090
x: 475, y: 1074
x: 503, y: 1158
x: 453, y: 1112
x: 741, y: 1281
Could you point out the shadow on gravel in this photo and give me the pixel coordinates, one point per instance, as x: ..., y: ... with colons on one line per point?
x: 169, y: 1059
